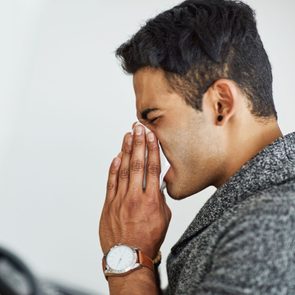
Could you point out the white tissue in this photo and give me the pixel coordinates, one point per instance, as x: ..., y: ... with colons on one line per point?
x: 165, y: 165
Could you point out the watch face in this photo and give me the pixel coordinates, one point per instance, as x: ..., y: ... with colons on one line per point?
x: 121, y: 258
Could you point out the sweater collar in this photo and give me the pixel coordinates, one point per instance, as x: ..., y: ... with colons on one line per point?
x: 273, y: 165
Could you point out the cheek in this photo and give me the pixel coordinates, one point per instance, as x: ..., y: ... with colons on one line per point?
x: 189, y: 155
x: 178, y: 147
x: 178, y: 153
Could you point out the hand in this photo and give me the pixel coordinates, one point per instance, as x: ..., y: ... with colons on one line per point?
x: 131, y: 215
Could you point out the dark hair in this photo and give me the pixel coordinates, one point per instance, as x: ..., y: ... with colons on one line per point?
x: 200, y: 41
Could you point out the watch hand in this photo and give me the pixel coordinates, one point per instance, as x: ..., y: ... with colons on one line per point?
x: 119, y: 262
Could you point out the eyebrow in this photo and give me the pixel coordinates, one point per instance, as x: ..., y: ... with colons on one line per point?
x: 145, y: 113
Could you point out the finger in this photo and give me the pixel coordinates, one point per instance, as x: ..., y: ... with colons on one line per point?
x: 120, y: 155
x: 137, y: 159
x: 124, y: 171
x: 112, y: 182
x: 133, y: 125
x: 153, y: 163
x: 124, y: 141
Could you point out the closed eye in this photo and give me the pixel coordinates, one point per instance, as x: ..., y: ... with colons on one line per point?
x: 152, y: 121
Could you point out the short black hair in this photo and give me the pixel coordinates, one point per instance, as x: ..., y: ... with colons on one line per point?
x: 200, y: 41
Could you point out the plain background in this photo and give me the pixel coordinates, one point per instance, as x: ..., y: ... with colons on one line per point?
x: 64, y: 107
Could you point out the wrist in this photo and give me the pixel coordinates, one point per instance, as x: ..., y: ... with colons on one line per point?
x: 122, y: 260
x: 142, y: 281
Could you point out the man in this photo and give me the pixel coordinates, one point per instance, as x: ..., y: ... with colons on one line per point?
x: 203, y: 86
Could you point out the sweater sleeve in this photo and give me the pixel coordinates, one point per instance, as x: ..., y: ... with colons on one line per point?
x: 255, y: 254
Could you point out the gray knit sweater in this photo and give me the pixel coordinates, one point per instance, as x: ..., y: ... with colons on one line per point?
x: 242, y: 241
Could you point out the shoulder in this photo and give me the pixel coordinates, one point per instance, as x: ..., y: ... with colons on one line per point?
x: 255, y: 248
x: 274, y: 201
x: 265, y: 217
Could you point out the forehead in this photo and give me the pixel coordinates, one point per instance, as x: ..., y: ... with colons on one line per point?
x: 151, y: 88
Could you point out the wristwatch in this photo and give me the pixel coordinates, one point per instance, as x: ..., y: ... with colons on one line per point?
x: 123, y: 259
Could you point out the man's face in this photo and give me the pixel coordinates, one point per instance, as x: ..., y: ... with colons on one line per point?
x: 186, y: 135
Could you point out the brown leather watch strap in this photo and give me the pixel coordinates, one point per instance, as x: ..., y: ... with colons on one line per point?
x: 145, y: 260
x: 104, y: 263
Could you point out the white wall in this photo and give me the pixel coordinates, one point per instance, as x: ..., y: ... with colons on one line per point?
x: 64, y: 107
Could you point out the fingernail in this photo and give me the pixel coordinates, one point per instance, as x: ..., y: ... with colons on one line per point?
x: 138, y: 130
x: 116, y: 161
x: 133, y: 125
x: 150, y: 137
x: 129, y: 140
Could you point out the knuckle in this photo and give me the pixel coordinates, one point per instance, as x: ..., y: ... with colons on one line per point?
x: 124, y: 173
x: 137, y: 166
x: 127, y: 149
x: 153, y: 168
x: 125, y: 137
x: 138, y: 141
x: 113, y: 170
x: 110, y: 186
x: 153, y: 146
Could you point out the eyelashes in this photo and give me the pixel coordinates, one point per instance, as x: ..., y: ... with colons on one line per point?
x: 153, y: 120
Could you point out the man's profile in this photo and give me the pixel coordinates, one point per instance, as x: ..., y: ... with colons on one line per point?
x: 203, y: 86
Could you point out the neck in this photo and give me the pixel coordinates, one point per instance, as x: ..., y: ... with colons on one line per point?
x: 245, y: 145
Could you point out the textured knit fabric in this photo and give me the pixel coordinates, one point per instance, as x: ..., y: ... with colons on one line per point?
x: 242, y: 241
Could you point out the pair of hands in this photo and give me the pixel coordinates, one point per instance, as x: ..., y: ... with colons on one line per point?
x: 131, y: 215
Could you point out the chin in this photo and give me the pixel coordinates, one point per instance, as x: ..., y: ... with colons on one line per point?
x: 178, y: 192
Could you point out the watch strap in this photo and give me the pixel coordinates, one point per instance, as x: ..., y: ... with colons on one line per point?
x: 157, y: 259
x: 144, y: 260
x: 104, y: 263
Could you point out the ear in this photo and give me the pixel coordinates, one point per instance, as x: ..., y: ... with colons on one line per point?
x: 221, y: 99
